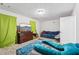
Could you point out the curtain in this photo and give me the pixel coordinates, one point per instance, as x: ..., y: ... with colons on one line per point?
x: 33, y: 26
x: 7, y: 30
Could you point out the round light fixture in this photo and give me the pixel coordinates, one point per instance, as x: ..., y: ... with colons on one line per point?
x: 41, y: 11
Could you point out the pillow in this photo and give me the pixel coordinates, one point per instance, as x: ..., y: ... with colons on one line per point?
x: 43, y: 32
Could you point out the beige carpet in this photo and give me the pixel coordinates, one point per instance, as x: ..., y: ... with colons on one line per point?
x: 12, y: 49
x: 8, y: 50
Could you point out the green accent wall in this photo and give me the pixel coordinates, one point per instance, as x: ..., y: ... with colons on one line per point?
x: 7, y: 30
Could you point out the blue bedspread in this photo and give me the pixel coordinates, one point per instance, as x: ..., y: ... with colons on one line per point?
x: 66, y: 49
x: 27, y: 49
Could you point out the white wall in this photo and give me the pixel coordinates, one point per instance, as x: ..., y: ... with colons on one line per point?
x: 51, y: 25
x: 76, y: 13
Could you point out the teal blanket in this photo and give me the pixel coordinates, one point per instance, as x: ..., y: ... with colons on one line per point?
x: 66, y: 49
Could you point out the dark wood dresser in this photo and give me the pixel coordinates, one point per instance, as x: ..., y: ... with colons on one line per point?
x: 24, y: 36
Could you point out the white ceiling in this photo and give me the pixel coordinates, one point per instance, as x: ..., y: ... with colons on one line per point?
x: 53, y: 10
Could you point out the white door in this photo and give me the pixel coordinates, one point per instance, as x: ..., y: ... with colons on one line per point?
x: 68, y: 29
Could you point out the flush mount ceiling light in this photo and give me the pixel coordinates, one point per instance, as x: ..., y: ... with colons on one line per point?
x: 40, y: 11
